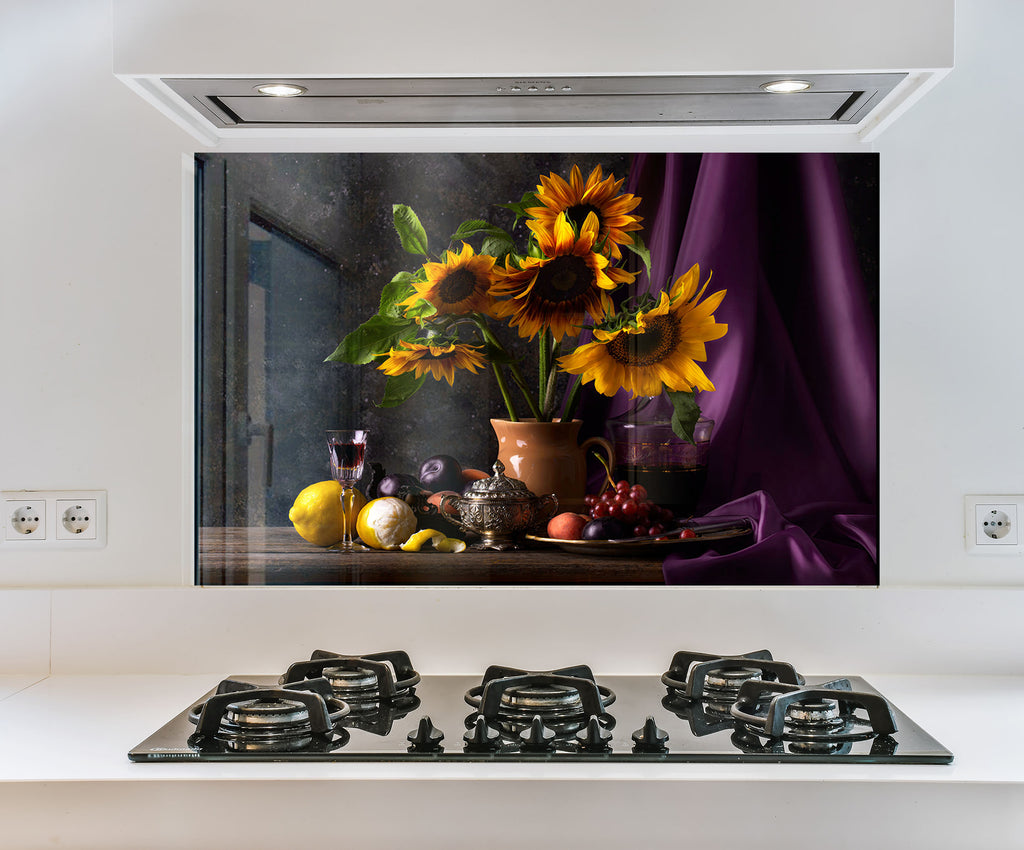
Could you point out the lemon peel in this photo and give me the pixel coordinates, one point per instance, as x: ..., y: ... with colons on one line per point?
x: 451, y: 544
x: 421, y: 538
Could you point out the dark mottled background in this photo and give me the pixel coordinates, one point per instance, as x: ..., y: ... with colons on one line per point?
x: 333, y: 212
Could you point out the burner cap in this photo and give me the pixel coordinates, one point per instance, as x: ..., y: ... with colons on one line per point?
x: 814, y: 715
x: 246, y: 716
x: 346, y: 681
x: 728, y: 679
x: 549, y: 700
x: 821, y: 713
x: 699, y: 675
x: 267, y: 714
x: 381, y: 676
x: 564, y: 698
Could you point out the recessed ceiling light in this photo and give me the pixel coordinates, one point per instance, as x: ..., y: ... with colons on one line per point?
x: 786, y: 86
x: 280, y: 89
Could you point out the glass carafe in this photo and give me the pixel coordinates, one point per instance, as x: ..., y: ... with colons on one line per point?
x: 648, y: 452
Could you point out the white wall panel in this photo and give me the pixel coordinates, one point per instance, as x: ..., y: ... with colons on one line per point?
x: 24, y: 634
x: 91, y: 225
x: 825, y: 631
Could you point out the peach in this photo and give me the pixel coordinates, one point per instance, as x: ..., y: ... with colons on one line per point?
x: 435, y: 500
x: 469, y: 475
x: 567, y: 526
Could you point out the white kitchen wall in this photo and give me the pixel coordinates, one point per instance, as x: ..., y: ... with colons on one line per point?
x: 24, y: 634
x: 93, y: 365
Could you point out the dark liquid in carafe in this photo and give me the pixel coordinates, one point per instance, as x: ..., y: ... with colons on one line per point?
x: 676, y: 488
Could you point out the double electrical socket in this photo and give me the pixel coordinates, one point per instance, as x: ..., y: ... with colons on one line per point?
x: 55, y: 519
x: 992, y: 525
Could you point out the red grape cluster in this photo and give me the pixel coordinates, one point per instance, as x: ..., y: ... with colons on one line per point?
x: 629, y: 504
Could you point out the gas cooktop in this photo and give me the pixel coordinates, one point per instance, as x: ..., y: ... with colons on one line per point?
x: 704, y: 708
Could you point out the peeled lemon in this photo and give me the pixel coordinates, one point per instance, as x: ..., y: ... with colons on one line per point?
x: 385, y: 523
x: 317, y: 512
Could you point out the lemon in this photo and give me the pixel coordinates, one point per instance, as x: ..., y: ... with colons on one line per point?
x: 385, y: 523
x: 421, y: 539
x: 317, y: 513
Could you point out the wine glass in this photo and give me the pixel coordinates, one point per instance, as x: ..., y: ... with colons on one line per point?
x: 347, y: 452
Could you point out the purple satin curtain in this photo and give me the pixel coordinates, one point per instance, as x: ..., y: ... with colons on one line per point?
x: 795, y: 446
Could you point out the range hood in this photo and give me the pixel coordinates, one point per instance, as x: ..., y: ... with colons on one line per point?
x: 543, y: 101
x: 660, y: 68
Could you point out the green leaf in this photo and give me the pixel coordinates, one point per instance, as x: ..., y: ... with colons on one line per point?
x: 498, y: 246
x: 475, y: 226
x: 395, y: 292
x: 640, y: 249
x: 422, y: 309
x: 376, y: 336
x: 520, y: 209
x: 686, y: 414
x: 410, y: 231
x: 401, y: 387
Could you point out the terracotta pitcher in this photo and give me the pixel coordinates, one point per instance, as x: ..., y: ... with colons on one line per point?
x: 547, y: 457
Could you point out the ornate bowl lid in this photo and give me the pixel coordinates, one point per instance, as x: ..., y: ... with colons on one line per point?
x: 498, y: 488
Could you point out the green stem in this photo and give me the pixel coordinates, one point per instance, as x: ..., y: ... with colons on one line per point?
x: 552, y: 379
x: 543, y: 376
x: 513, y: 366
x: 569, y: 411
x: 503, y: 386
x: 520, y: 382
x: 549, y: 399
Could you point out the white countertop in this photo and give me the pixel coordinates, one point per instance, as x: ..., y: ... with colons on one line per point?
x: 64, y: 741
x: 95, y: 739
x: 10, y: 685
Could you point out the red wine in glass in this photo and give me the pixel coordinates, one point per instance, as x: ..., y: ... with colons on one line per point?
x: 347, y: 462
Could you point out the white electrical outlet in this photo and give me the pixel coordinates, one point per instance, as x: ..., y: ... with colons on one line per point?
x: 76, y: 519
x: 25, y: 519
x: 991, y: 525
x: 54, y: 519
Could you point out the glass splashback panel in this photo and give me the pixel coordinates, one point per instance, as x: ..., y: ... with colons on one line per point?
x: 294, y: 252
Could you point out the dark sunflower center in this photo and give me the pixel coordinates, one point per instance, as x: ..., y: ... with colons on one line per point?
x: 564, y: 279
x: 577, y: 214
x: 458, y: 285
x: 654, y: 345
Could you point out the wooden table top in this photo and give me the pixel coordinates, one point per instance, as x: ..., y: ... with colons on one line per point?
x: 278, y: 556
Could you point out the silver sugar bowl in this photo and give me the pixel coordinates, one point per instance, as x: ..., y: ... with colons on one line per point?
x: 500, y: 509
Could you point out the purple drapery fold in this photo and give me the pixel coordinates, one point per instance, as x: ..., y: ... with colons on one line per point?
x: 816, y: 544
x: 795, y: 441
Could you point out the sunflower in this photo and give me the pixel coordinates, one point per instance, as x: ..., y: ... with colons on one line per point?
x: 556, y: 291
x: 659, y: 349
x: 440, y: 360
x: 457, y: 285
x: 578, y: 199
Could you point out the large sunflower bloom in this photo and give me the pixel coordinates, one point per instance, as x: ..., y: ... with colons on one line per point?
x: 578, y: 199
x: 458, y: 285
x: 557, y: 291
x: 660, y: 350
x: 440, y: 360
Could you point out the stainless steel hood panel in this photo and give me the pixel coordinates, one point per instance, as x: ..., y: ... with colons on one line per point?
x: 590, y: 101
x: 547, y: 74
